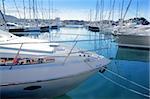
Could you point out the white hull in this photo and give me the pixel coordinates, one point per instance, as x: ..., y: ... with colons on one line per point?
x: 36, y: 77
x: 135, y: 41
x: 49, y: 88
x: 53, y: 78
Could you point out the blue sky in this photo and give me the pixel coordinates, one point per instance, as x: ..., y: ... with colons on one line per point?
x: 75, y: 9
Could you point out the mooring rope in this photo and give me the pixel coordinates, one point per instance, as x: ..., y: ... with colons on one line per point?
x: 122, y: 86
x: 127, y: 79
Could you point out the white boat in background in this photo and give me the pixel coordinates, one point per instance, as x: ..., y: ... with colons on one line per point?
x: 135, y: 37
x: 37, y: 68
x: 74, y: 26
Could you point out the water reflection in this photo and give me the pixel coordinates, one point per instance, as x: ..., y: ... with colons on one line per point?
x: 132, y: 54
x: 130, y: 63
x: 65, y: 96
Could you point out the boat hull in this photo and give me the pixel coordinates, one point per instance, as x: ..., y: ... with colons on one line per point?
x: 134, y: 41
x: 93, y: 29
x: 44, y: 89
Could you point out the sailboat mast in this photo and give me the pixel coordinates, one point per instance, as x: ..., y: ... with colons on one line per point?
x: 30, y: 10
x: 42, y: 9
x: 36, y: 12
x: 49, y: 10
x: 110, y: 11
x: 3, y: 4
x: 90, y: 15
x: 127, y: 9
x: 52, y: 9
x: 97, y: 10
x: 33, y: 8
x: 122, y: 8
x: 3, y: 14
x: 137, y: 8
x: 113, y: 8
x: 3, y: 18
x: 24, y: 10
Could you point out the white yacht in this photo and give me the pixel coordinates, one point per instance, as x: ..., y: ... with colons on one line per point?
x: 36, y: 68
x: 134, y: 37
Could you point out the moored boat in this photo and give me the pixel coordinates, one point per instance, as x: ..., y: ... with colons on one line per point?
x: 37, y: 68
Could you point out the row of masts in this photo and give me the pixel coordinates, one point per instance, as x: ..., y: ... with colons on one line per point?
x: 32, y: 9
x: 101, y: 12
x: 99, y: 23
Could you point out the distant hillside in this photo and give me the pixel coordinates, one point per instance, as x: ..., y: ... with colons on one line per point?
x: 9, y: 18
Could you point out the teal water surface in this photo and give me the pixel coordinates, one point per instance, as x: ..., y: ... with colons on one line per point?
x: 130, y: 63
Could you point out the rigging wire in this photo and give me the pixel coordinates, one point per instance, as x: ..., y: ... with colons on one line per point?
x: 71, y: 50
x: 127, y: 9
x: 17, y: 9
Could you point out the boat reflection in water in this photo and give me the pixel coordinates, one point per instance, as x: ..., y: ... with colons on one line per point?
x: 131, y: 54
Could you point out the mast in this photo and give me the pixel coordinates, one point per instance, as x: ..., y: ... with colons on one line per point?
x: 24, y: 10
x: 113, y: 6
x: 102, y: 14
x: 102, y: 9
x: 17, y: 9
x: 119, y: 10
x: 127, y: 9
x: 42, y: 9
x: 3, y: 14
x: 122, y: 8
x: 30, y: 10
x: 97, y: 9
x: 137, y: 8
x: 3, y: 4
x: 90, y: 15
x: 33, y: 8
x: 49, y: 10
x: 110, y: 5
x: 3, y: 18
x: 52, y: 9
x: 36, y: 12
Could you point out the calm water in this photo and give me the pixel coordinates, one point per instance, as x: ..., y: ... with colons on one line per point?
x: 130, y: 63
